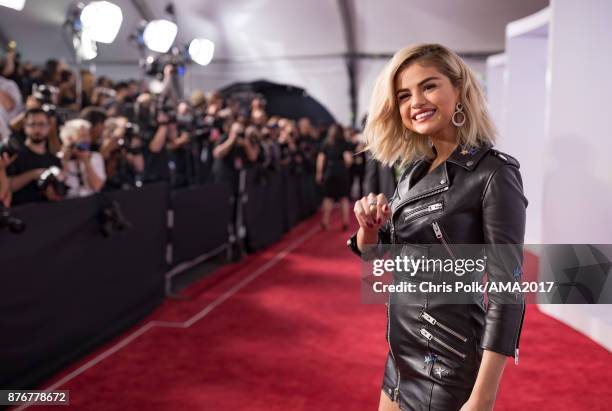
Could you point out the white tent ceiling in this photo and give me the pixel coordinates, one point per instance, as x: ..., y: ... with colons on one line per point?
x: 295, y: 41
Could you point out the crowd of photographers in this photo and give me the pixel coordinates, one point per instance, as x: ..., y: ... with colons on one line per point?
x: 56, y: 144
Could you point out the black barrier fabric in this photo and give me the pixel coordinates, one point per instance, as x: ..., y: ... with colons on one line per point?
x: 275, y: 203
x: 263, y: 211
x: 201, y: 217
x: 66, y: 288
x: 290, y: 190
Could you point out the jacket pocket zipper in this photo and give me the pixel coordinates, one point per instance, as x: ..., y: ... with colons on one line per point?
x: 440, y: 237
x: 431, y: 337
x: 401, y: 204
x: 396, y: 390
x: 418, y: 211
x: 446, y: 328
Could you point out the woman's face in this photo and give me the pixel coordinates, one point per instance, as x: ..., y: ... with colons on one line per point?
x: 82, y: 136
x: 426, y: 99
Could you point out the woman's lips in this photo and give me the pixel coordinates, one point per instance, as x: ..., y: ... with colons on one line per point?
x: 423, y: 115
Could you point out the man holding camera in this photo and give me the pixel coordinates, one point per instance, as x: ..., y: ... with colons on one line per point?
x: 32, y: 160
x: 232, y: 153
x: 162, y: 161
x: 122, y: 151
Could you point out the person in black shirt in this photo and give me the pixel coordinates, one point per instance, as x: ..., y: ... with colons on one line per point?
x: 33, y: 160
x: 163, y: 159
x: 357, y: 170
x: 333, y: 163
x: 232, y: 153
x: 97, y: 117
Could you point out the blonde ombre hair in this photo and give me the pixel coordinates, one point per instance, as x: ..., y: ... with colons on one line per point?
x: 390, y: 141
x: 71, y: 129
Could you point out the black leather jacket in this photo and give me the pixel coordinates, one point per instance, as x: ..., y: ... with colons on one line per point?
x: 474, y: 197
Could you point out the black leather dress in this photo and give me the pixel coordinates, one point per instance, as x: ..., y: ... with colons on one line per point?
x: 435, y: 348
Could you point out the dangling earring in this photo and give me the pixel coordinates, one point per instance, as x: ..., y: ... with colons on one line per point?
x: 459, y: 111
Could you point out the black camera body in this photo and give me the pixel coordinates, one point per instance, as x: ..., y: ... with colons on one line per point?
x: 12, y: 147
x: 132, y: 130
x: 167, y: 107
x: 13, y: 224
x: 46, y: 96
x: 51, y: 177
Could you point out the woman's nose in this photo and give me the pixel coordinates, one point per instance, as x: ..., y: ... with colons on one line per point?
x: 418, y: 100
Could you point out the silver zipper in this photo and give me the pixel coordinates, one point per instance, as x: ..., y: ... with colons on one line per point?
x: 431, y: 193
x: 431, y: 337
x: 449, y: 330
x: 396, y: 390
x: 440, y: 237
x: 518, y: 337
x: 430, y: 208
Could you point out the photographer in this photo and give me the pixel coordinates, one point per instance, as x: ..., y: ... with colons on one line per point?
x: 161, y: 162
x: 97, y: 118
x: 10, y: 99
x: 232, y: 153
x: 45, y: 98
x: 122, y: 151
x: 33, y: 159
x: 84, y: 169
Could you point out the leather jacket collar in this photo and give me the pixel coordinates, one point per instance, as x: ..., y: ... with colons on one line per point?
x: 436, y: 181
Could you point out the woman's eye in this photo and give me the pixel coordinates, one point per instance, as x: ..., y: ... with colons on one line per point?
x: 403, y: 96
x: 430, y: 86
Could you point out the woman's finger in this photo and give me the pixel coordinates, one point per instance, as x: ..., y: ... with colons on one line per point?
x: 365, y: 204
x: 360, y: 214
x: 381, y: 202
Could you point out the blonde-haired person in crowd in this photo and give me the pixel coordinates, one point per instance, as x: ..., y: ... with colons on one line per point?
x: 428, y: 113
x: 84, y: 169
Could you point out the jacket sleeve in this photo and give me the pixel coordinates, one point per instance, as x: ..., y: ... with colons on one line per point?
x: 504, y: 214
x: 374, y: 251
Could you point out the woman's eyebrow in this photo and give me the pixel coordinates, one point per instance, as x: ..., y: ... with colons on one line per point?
x: 420, y: 83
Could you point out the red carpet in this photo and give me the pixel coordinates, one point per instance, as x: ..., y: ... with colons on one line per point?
x: 288, y: 332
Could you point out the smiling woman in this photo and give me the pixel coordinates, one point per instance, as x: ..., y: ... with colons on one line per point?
x: 424, y: 101
x: 428, y: 113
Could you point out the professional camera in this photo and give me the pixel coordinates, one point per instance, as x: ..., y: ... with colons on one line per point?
x: 80, y: 147
x: 13, y: 224
x: 154, y: 67
x: 46, y: 97
x: 111, y: 219
x: 131, y: 130
x: 169, y: 108
x: 51, y: 177
x: 11, y: 147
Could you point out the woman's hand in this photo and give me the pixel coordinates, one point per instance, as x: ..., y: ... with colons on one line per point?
x: 372, y: 212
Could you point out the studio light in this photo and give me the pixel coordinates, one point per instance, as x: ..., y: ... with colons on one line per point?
x: 201, y: 51
x: 13, y: 4
x: 101, y: 21
x: 159, y: 35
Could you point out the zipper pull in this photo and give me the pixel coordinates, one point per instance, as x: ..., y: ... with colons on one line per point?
x: 437, y: 230
x: 426, y: 334
x: 428, y: 318
x: 434, y: 207
x: 395, y: 394
x: 516, y: 356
